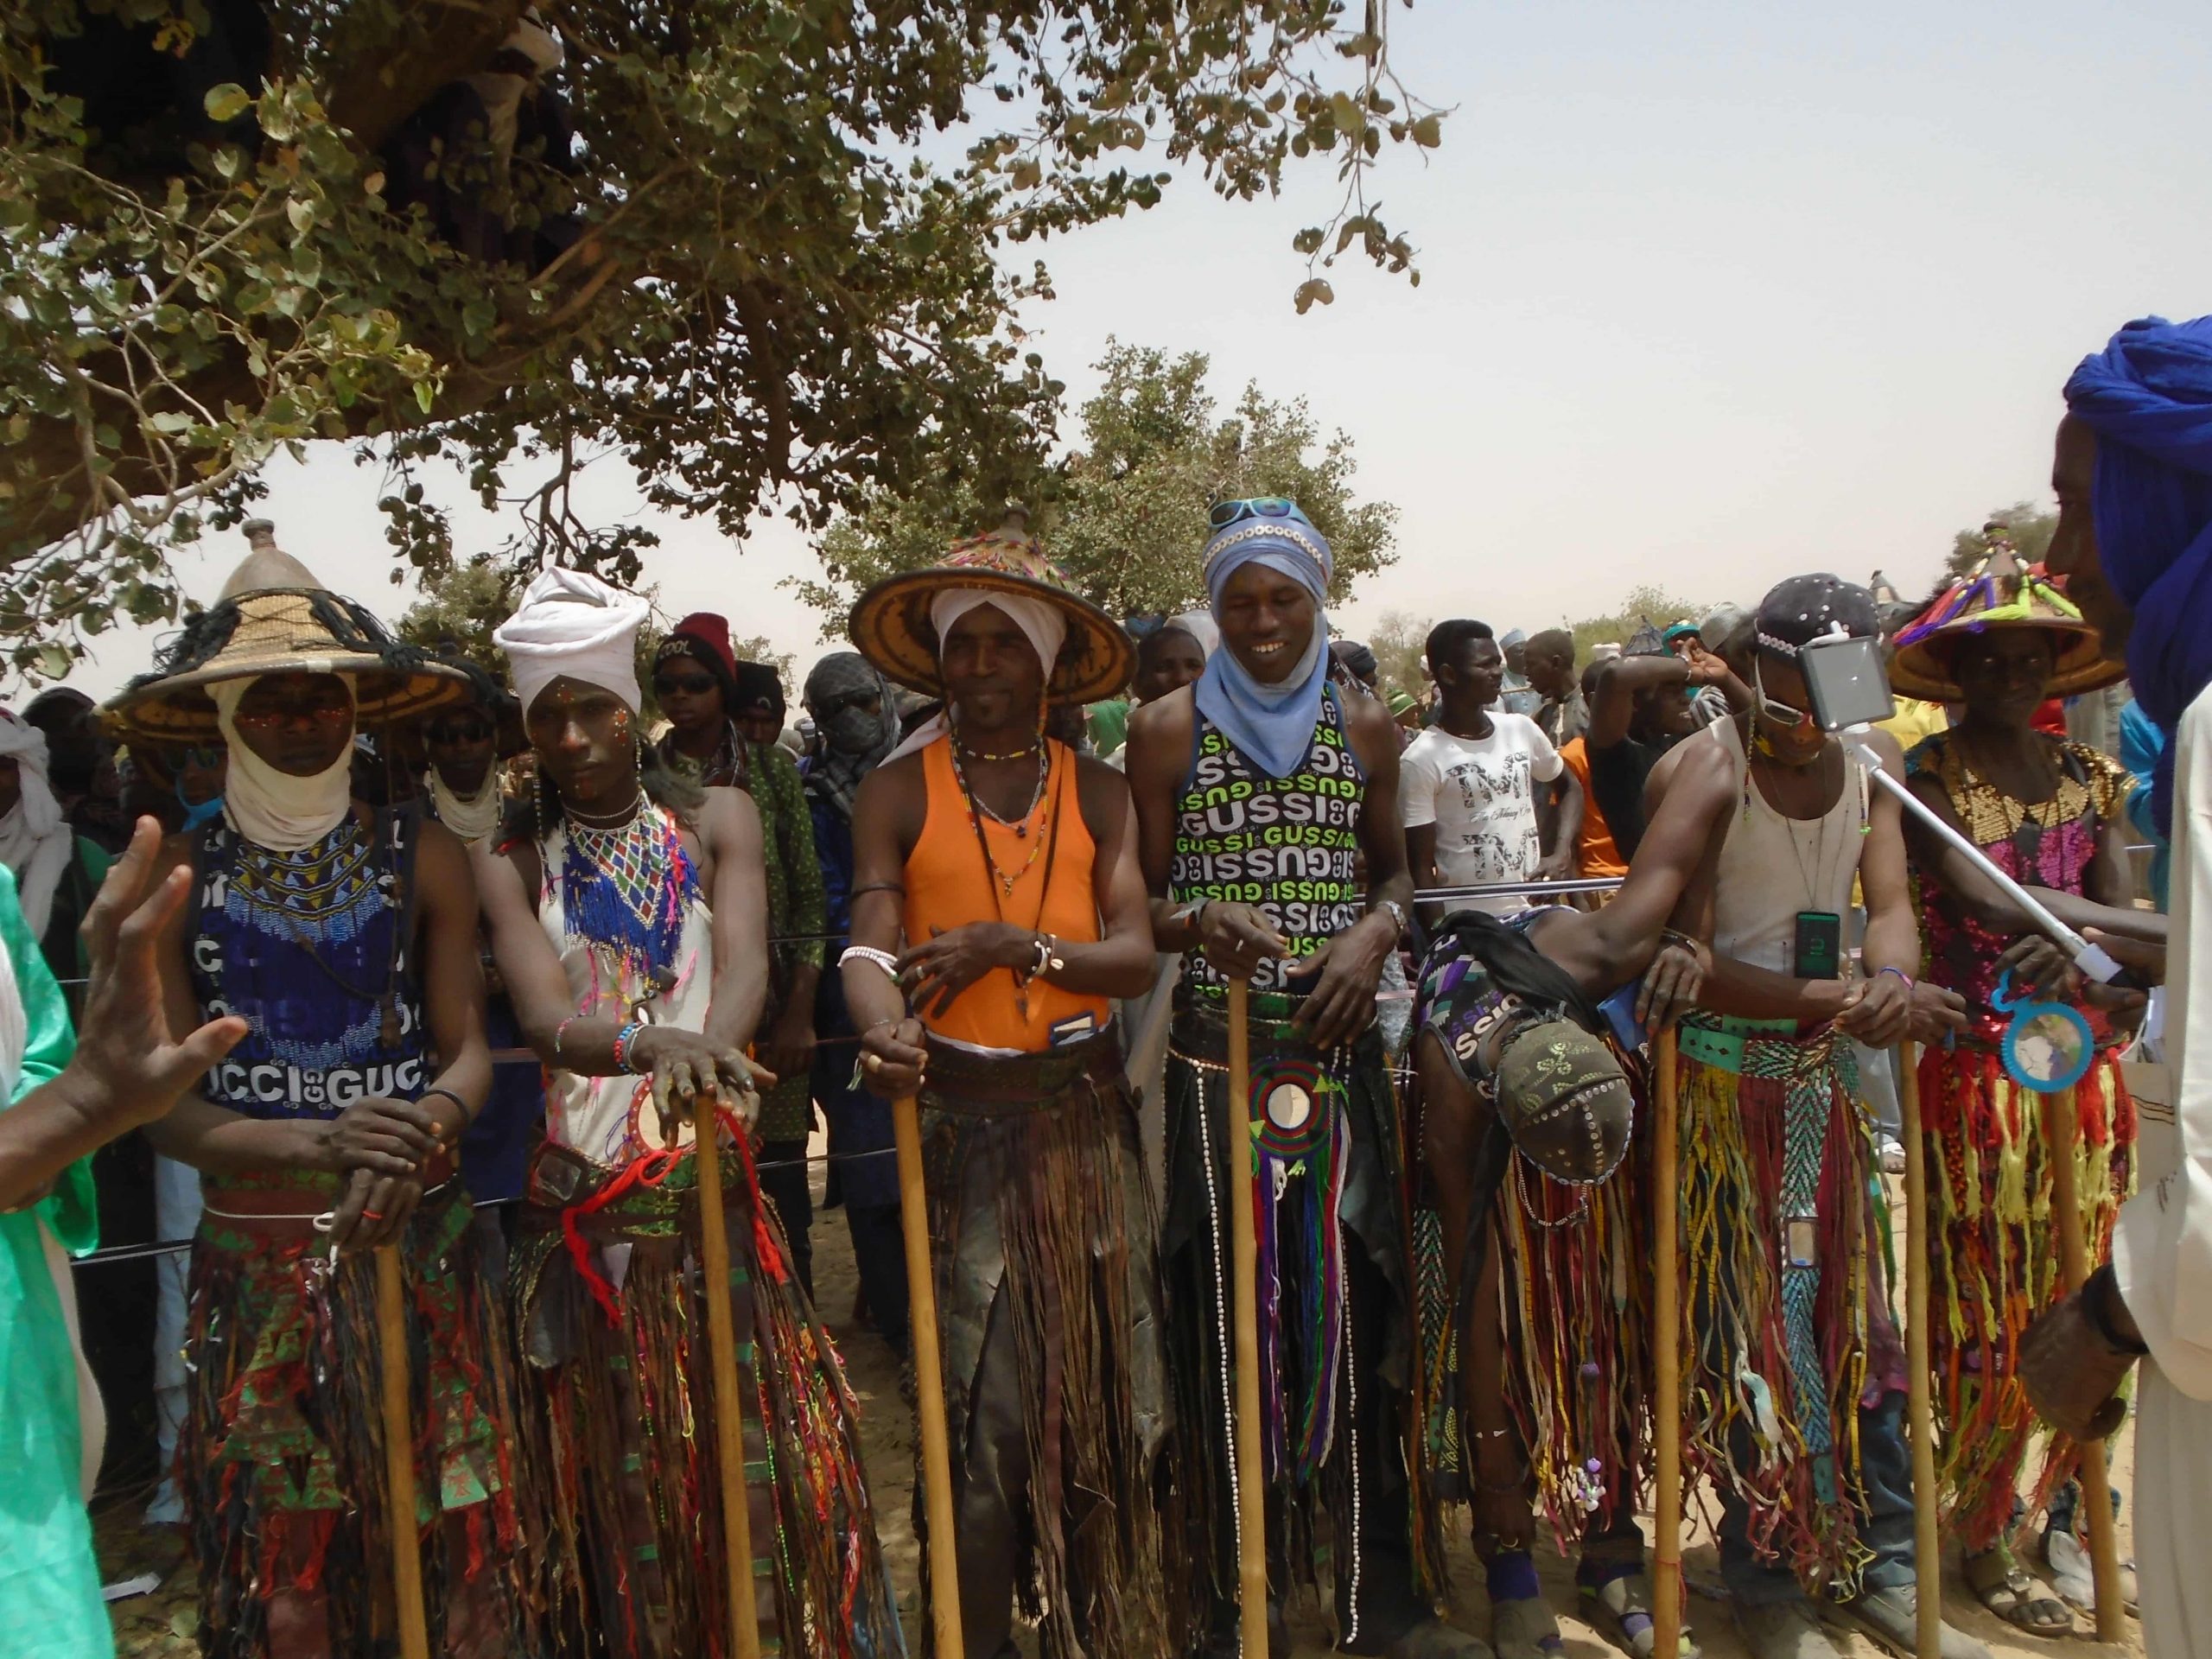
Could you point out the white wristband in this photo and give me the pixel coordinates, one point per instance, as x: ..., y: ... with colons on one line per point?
x: 882, y: 959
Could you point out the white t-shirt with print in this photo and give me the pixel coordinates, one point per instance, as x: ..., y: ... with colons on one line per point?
x: 1481, y: 795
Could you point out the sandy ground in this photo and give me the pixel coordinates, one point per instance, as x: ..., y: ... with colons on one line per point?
x: 160, y: 1626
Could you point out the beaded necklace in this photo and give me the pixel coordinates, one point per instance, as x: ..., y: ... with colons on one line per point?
x: 625, y: 889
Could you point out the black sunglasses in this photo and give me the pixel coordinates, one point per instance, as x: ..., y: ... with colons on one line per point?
x: 449, y: 732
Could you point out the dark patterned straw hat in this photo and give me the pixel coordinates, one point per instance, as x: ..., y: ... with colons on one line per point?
x: 273, y: 617
x: 891, y: 623
x: 1564, y: 1100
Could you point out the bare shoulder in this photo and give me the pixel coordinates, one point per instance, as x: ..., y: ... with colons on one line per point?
x: 891, y: 783
x: 1373, y: 734
x: 1886, y: 749
x: 1165, y: 720
x: 1697, y: 763
x: 1103, y: 792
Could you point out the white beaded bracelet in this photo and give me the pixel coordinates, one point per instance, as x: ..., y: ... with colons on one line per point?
x: 882, y: 959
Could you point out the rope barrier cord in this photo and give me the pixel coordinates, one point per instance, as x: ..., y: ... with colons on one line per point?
x: 122, y: 1252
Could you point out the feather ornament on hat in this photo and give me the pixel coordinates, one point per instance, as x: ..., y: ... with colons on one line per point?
x: 2001, y: 592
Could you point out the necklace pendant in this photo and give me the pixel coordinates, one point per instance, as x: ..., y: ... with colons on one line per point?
x: 1022, y: 830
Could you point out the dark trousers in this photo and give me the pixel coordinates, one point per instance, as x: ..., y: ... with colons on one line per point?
x: 880, y: 1254
x: 784, y: 1182
x: 1885, y: 1465
x: 990, y: 1482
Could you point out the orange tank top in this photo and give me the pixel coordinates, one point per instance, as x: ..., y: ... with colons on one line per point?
x: 948, y: 885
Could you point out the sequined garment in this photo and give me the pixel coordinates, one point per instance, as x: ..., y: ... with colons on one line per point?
x: 1993, y: 1249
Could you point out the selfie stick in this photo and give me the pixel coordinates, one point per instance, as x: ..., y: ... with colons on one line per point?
x: 2092, y: 959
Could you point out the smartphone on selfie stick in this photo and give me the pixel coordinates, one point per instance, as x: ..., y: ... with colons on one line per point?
x: 1849, y: 687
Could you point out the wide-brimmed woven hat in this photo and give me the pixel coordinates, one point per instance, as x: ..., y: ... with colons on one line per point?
x: 274, y: 617
x: 891, y: 623
x: 1999, y: 593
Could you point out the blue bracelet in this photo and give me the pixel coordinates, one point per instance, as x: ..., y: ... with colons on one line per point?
x: 1899, y: 972
x: 624, y: 1042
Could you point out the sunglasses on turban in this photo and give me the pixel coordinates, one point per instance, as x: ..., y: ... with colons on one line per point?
x: 1226, y: 513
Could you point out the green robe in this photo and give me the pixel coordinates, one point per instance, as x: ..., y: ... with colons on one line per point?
x: 50, y: 1602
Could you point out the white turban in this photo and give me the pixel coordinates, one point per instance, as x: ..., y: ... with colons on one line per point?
x: 35, y: 839
x: 275, y: 809
x: 1043, y: 624
x: 573, y: 625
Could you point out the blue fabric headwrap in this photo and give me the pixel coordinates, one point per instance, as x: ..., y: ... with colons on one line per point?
x: 200, y: 816
x: 2148, y: 397
x: 1271, y: 726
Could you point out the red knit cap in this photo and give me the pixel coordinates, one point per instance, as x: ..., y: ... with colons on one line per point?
x: 707, y: 631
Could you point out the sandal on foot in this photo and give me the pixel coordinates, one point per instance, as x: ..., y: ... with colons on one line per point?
x: 1523, y: 1628
x: 1620, y: 1609
x: 2016, y: 1595
x: 2067, y: 1557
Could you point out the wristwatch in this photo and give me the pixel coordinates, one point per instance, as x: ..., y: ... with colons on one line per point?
x: 1190, y: 914
x: 1398, y: 913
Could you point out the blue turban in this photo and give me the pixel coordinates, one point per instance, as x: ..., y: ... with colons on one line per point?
x: 2148, y: 397
x: 1271, y: 726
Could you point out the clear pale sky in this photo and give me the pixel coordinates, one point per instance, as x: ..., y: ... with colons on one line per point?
x: 1711, y: 294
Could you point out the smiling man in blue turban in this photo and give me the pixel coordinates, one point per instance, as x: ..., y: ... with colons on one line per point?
x: 1259, y: 792
x: 2133, y: 476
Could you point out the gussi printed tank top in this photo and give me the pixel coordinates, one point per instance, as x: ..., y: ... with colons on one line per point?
x: 1040, y: 874
x: 1287, y: 846
x: 315, y: 950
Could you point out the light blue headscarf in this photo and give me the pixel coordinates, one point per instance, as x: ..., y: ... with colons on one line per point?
x: 2148, y: 395
x: 1271, y: 726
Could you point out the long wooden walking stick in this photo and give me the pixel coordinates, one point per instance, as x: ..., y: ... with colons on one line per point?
x: 2061, y: 1121
x: 1920, y: 1406
x: 399, y: 1456
x: 929, y: 1382
x: 1243, y: 1268
x: 729, y: 1417
x: 1667, y: 1390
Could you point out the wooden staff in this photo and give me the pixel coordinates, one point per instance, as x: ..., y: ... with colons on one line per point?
x: 929, y: 1382
x: 1920, y: 1406
x: 2061, y: 1119
x: 399, y: 1457
x: 1667, y: 1409
x: 1243, y: 1259
x: 730, y: 1419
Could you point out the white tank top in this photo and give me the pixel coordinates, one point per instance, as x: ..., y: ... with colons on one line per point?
x: 1772, y: 867
x: 612, y: 1121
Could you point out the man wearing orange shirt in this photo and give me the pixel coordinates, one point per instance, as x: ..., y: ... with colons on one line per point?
x: 996, y: 894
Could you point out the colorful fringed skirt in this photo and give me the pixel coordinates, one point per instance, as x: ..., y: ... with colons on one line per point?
x: 1335, y: 1307
x: 281, y: 1454
x: 1993, y: 1264
x: 1041, y: 1223
x: 1574, y: 1294
x: 627, y: 1556
x: 1786, y: 1327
